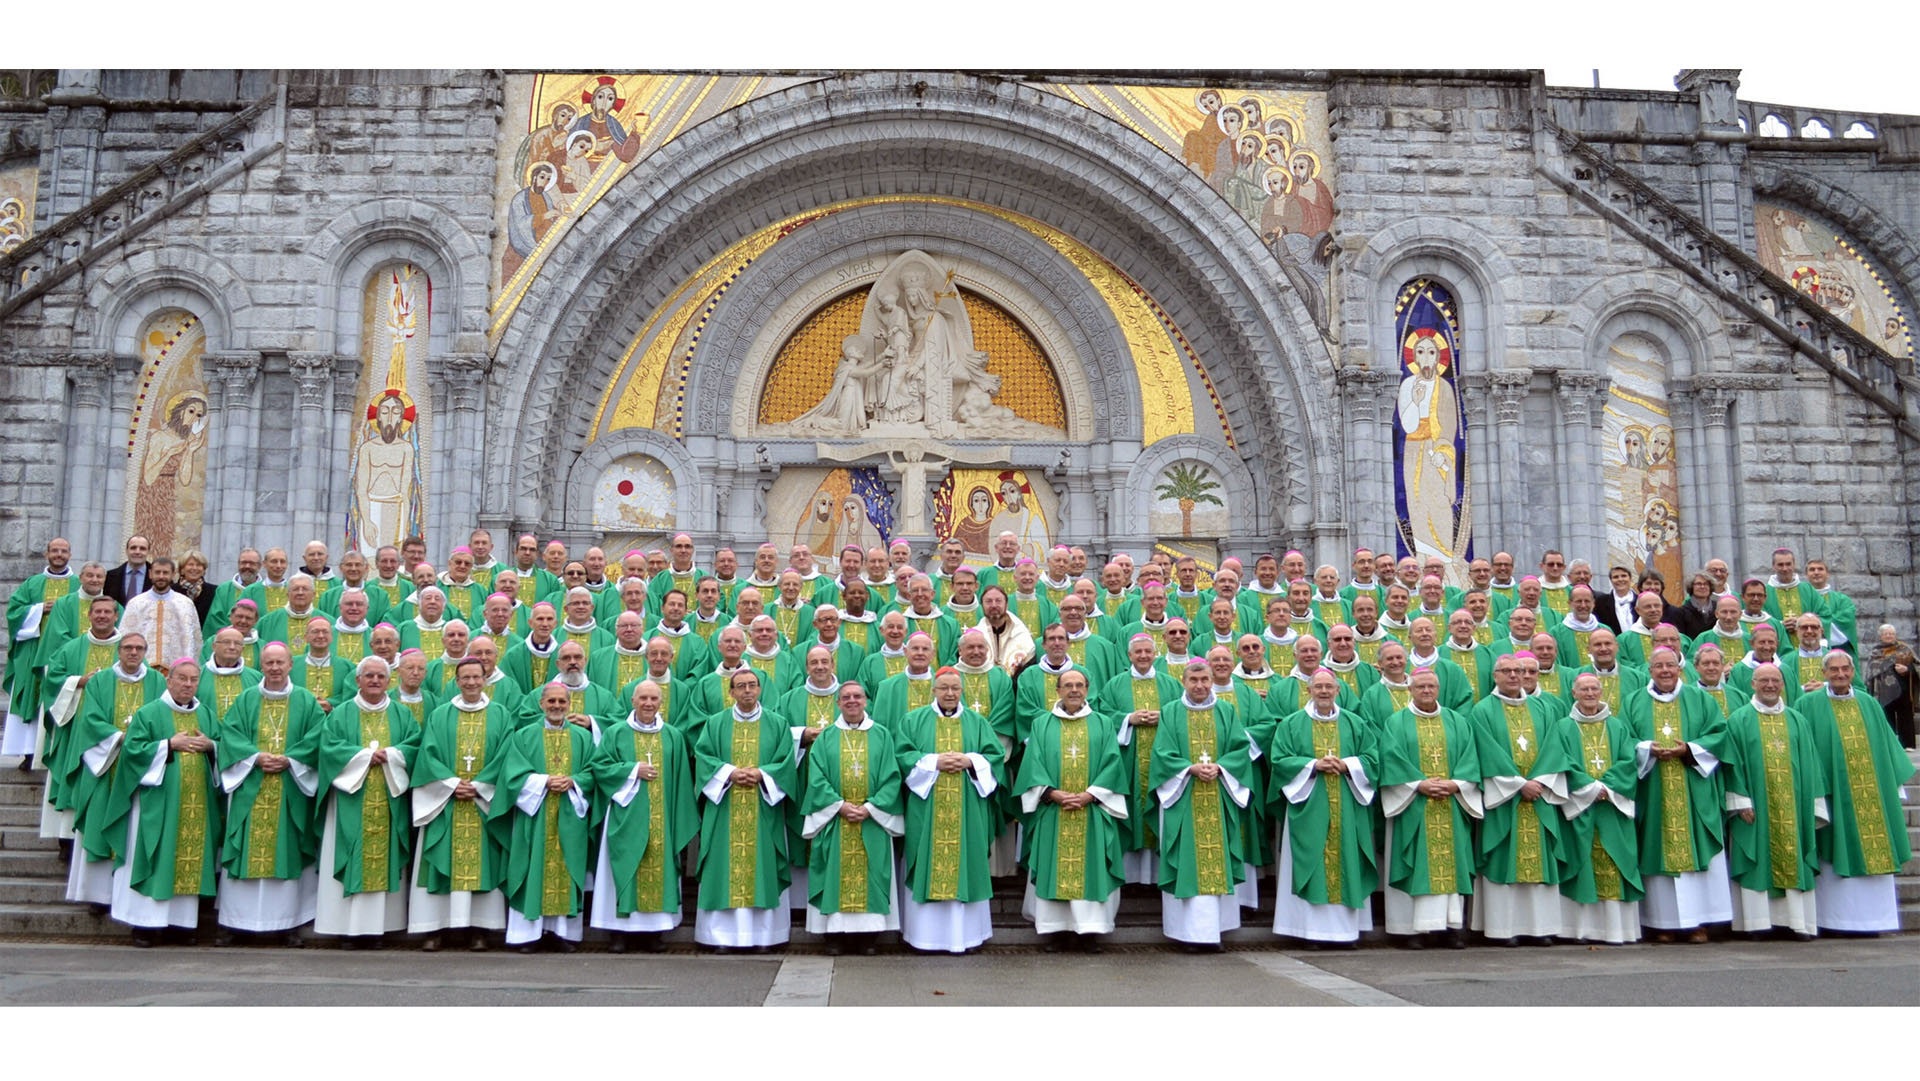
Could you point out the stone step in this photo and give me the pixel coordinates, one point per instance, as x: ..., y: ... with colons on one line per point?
x: 1910, y: 917
x: 14, y: 891
x: 20, y: 815
x: 28, y: 863
x: 1906, y: 889
x: 22, y: 793
x: 26, y: 839
x: 55, y: 920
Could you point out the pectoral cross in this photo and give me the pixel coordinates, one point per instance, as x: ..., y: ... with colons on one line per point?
x: 976, y: 707
x: 1667, y: 730
x: 1206, y: 759
x: 1779, y: 745
x: 649, y: 759
x: 469, y: 761
x: 1599, y: 763
x: 856, y: 767
x: 1521, y: 742
x: 1073, y: 752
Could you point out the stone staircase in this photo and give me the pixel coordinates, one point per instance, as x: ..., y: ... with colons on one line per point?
x: 1737, y: 278
x: 33, y: 888
x: 136, y: 204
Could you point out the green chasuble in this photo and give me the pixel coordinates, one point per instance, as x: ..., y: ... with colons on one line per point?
x: 1864, y: 766
x: 221, y: 689
x: 1456, y: 690
x: 950, y: 825
x: 648, y: 823
x: 1529, y: 740
x: 461, y: 848
x: 531, y: 665
x: 1383, y: 700
x: 1073, y: 855
x: 1476, y: 663
x: 25, y: 657
x: 427, y: 640
x: 79, y: 658
x: 1123, y: 694
x: 329, y: 682
x: 879, y: 666
x: 670, y: 579
x: 1680, y: 808
x: 1038, y: 691
x: 901, y: 695
x: 373, y: 831
x: 270, y: 831
x: 110, y: 707
x: 1617, y: 684
x: 743, y: 835
x: 1733, y: 647
x: 852, y: 871
x: 550, y: 832
x: 1433, y: 851
x: 1101, y: 659
x: 1201, y: 830
x: 988, y: 692
x: 792, y: 623
x: 1288, y: 695
x: 1785, y: 603
x: 1600, y: 848
x: 1329, y: 823
x: 1773, y: 767
x: 176, y: 849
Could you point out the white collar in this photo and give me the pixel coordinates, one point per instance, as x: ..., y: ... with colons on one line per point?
x: 1776, y: 709
x: 439, y: 624
x: 1774, y: 581
x: 1312, y: 710
x: 1059, y: 710
x: 822, y: 692
x: 358, y: 628
x: 1364, y: 587
x: 591, y: 626
x: 1588, y: 718
x: 1137, y: 674
x: 191, y: 707
x: 1288, y: 639
x: 1589, y: 624
x: 269, y: 692
x: 1047, y: 666
x: 633, y: 722
x: 1520, y: 701
x: 366, y: 705
x: 1847, y: 697
x: 1240, y: 672
x: 744, y: 717
x: 772, y: 654
x: 219, y: 671
x: 1208, y: 704
x: 462, y: 704
x: 1418, y: 712
x: 1668, y: 697
x: 866, y: 722
x: 1329, y: 662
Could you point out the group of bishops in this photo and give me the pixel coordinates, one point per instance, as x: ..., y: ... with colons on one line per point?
x: 538, y: 745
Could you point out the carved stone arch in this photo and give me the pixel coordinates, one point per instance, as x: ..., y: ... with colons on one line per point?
x: 842, y: 138
x: 579, y: 474
x: 350, y: 246
x: 147, y: 281
x: 756, y: 318
x: 1879, y: 235
x: 1660, y: 306
x: 1244, y: 501
x: 1466, y: 260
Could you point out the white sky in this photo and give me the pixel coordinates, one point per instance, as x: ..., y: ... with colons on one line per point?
x: 1788, y: 53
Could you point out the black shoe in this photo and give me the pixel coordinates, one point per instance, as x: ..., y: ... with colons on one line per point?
x: 531, y: 947
x: 1051, y: 943
x: 617, y: 943
x: 652, y: 942
x: 562, y: 945
x: 1455, y: 940
x: 431, y: 944
x: 1411, y: 942
x: 26, y: 763
x: 833, y: 946
x: 223, y: 937
x: 99, y: 910
x: 478, y: 944
x: 66, y: 850
x: 1802, y: 936
x: 869, y: 950
x: 1090, y: 943
x: 144, y: 938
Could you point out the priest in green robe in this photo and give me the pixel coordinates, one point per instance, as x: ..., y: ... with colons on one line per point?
x: 269, y: 746
x: 644, y: 781
x: 65, y: 695
x: 853, y: 811
x: 953, y: 762
x: 744, y: 765
x: 115, y: 695
x: 1132, y: 702
x: 1323, y: 764
x: 28, y: 608
x: 367, y: 748
x: 460, y: 853
x: 1037, y: 687
x: 988, y: 690
x: 1200, y: 778
x: 1526, y: 748
x: 913, y: 688
x: 681, y: 573
x: 1073, y: 786
x: 166, y: 800
x: 1600, y: 884
x: 544, y: 778
x: 1430, y: 791
x: 1776, y: 798
x: 1679, y: 735
x: 1866, y: 770
x: 600, y: 706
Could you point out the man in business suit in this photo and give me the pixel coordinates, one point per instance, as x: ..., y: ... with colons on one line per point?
x: 129, y: 579
x: 1615, y: 609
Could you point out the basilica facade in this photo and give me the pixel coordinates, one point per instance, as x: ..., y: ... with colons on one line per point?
x: 1435, y: 313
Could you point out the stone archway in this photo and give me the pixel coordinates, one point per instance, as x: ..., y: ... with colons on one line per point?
x: 902, y: 134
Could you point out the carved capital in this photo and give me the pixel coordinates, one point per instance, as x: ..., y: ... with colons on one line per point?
x: 1713, y: 397
x: 92, y: 375
x: 1577, y: 399
x: 231, y: 375
x: 312, y: 377
x: 1362, y: 391
x: 465, y: 377
x: 1508, y: 388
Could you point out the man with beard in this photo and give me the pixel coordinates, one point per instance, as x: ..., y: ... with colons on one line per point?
x: 165, y: 618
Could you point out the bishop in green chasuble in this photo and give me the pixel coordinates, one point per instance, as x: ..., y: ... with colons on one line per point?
x: 1323, y: 762
x: 953, y: 764
x: 1600, y: 884
x: 1679, y: 735
x: 269, y: 744
x: 1866, y: 773
x: 1776, y: 798
x: 852, y: 812
x: 743, y: 762
x: 1072, y: 786
x: 1430, y: 793
x: 166, y: 798
x: 1199, y: 777
x: 544, y: 775
x: 1525, y: 746
x: 460, y: 853
x: 644, y: 780
x: 367, y: 748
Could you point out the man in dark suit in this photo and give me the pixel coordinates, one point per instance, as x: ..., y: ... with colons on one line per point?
x: 1614, y: 609
x: 129, y: 579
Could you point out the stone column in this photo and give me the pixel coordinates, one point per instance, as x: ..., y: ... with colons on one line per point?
x: 1369, y: 458
x: 1695, y: 521
x: 1581, y: 490
x: 1483, y: 471
x: 312, y: 375
x: 1508, y: 390
x: 123, y: 376
x: 230, y: 454
x: 92, y: 440
x: 463, y: 432
x: 1712, y: 402
x: 1596, y: 532
x: 1719, y: 152
x: 77, y: 119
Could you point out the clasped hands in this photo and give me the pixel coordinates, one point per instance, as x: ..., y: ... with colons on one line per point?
x: 1330, y: 764
x: 190, y: 742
